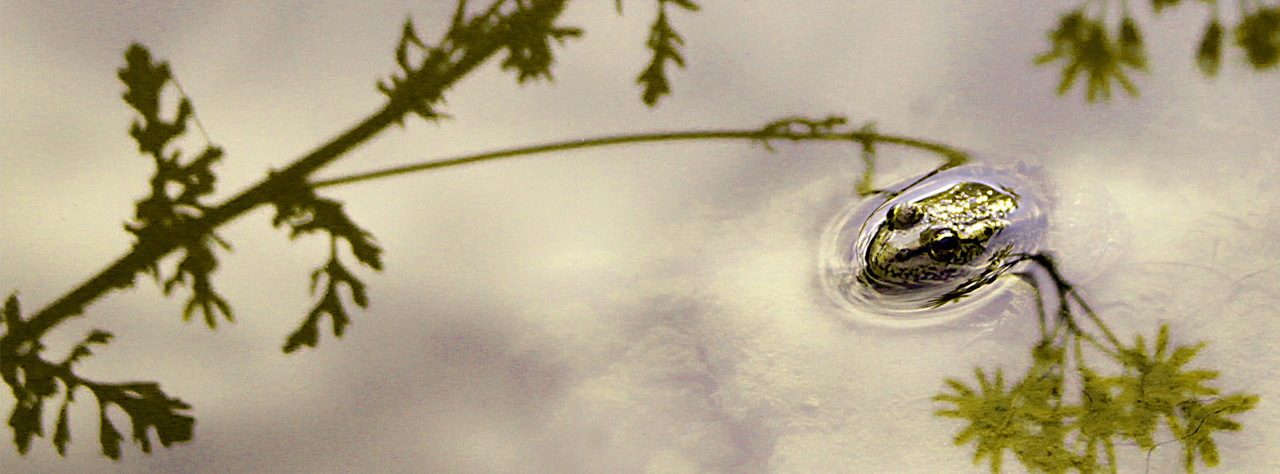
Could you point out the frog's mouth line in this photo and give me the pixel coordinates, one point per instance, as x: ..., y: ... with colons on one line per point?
x: 891, y: 285
x: 910, y: 276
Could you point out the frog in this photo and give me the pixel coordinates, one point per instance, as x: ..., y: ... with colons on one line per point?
x: 939, y: 238
x: 931, y: 244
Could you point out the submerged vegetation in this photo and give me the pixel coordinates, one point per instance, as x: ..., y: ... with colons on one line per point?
x: 177, y: 219
x: 1083, y: 394
x: 1048, y: 430
x: 1087, y: 46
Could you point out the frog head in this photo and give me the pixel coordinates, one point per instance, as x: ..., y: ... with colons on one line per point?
x: 942, y: 239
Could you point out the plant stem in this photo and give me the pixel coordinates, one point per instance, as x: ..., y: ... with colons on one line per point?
x: 146, y: 253
x: 1065, y: 294
x: 951, y: 154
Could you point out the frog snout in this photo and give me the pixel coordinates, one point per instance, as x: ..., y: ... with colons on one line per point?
x: 906, y: 254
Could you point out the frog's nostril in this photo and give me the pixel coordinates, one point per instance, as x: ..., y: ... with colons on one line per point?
x: 925, y: 246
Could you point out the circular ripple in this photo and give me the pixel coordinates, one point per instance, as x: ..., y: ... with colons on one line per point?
x: 934, y: 296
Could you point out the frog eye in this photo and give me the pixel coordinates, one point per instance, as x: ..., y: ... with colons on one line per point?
x: 942, y: 244
x: 904, y: 215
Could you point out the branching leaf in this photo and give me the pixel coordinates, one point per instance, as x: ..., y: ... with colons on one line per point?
x: 1100, y: 417
x: 81, y: 350
x: 160, y: 216
x: 994, y: 421
x: 414, y: 84
x: 196, y: 269
x: 307, y: 213
x: 1154, y: 384
x: 665, y: 44
x: 147, y: 407
x: 145, y: 81
x: 1032, y: 420
x: 531, y: 30
x: 1203, y: 419
x: 525, y: 33
x: 1085, y: 47
x: 334, y: 274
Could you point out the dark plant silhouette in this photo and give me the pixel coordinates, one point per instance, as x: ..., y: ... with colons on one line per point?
x: 1050, y: 431
x: 176, y: 218
x: 1087, y: 46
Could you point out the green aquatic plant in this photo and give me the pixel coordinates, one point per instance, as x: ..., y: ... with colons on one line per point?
x: 1089, y: 43
x: 178, y: 219
x: 1088, y: 49
x: 1052, y: 429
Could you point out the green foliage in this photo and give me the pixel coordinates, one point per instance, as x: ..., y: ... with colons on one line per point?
x: 525, y: 33
x: 175, y: 217
x: 1050, y: 432
x: 306, y: 213
x: 161, y: 219
x: 664, y: 42
x: 1209, y: 53
x: 334, y: 274
x: 34, y: 380
x: 147, y: 407
x: 197, y: 264
x: 1259, y: 36
x: 1029, y: 418
x: 529, y: 44
x: 1085, y: 46
x: 401, y: 87
x: 1088, y: 49
x: 161, y: 216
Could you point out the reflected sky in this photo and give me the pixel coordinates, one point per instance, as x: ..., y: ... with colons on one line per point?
x: 649, y: 309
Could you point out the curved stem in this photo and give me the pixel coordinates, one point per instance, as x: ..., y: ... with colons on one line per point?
x: 1111, y: 337
x: 1066, y: 293
x: 426, y: 88
x: 1044, y: 325
x: 953, y: 156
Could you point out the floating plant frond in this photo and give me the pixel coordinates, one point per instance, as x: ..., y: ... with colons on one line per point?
x: 1153, y: 387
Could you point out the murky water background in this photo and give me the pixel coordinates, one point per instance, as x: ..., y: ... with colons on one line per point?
x: 650, y: 309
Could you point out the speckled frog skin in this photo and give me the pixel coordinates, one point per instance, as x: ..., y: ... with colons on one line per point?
x: 921, y: 246
x: 939, y: 238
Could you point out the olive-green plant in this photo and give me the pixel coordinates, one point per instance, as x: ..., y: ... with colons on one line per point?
x: 1050, y: 430
x: 1087, y: 46
x: 177, y: 218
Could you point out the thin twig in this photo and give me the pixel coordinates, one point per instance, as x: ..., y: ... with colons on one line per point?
x: 1067, y: 293
x: 121, y: 273
x: 194, y: 117
x: 949, y: 153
